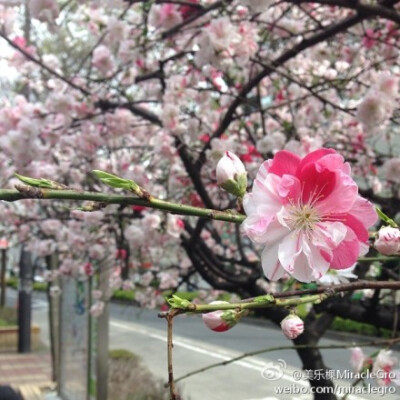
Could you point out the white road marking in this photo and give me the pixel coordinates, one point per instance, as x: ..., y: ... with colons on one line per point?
x: 211, y: 351
x: 36, y: 303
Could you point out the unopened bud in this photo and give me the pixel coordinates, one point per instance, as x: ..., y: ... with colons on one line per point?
x: 221, y: 320
x: 388, y: 242
x: 292, y: 326
x: 231, y: 174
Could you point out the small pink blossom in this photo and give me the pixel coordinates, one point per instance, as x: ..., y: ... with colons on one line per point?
x: 165, y: 16
x: 369, y: 38
x: 127, y: 285
x: 121, y: 254
x: 222, y: 34
x: 168, y: 280
x: 134, y: 235
x: 392, y: 170
x: 388, y: 241
x: 358, y: 360
x: 175, y: 226
x: 308, y: 214
x: 96, y: 251
x: 219, y: 147
x: 248, y: 45
x: 51, y: 227
x: 388, y: 84
x: 379, y: 103
x: 292, y: 326
x: 88, y: 269
x: 170, y: 117
x: 97, y: 308
x: 151, y: 221
x: 93, y: 218
x: 119, y: 123
x: 146, y: 278
x: 116, y: 31
x: 102, y: 60
x: 45, y: 247
x: 374, y: 109
x: 220, y: 320
x: 376, y: 185
x: 383, y: 368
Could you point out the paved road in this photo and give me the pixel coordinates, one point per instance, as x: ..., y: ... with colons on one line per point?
x: 195, y: 347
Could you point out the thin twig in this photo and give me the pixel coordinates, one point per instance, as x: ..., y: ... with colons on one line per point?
x: 345, y: 287
x: 42, y: 65
x: 171, y: 383
x: 25, y: 192
x: 277, y: 348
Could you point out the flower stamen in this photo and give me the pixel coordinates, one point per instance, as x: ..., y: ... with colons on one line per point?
x: 303, y: 218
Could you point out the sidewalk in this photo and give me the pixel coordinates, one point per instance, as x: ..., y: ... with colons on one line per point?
x: 29, y: 373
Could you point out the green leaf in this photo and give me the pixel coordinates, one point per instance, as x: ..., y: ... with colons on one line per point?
x: 385, y: 218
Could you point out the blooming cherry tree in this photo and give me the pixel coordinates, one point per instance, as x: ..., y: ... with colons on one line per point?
x: 303, y: 94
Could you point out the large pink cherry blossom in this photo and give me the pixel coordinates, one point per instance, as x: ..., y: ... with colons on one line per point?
x: 308, y: 214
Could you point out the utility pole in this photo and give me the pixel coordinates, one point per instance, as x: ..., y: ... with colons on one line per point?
x: 102, y: 338
x: 54, y: 318
x: 3, y: 283
x: 25, y: 302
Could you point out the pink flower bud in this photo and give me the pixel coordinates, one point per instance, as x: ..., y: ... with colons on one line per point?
x: 220, y: 320
x: 88, y: 269
x: 292, y: 326
x: 231, y: 174
x: 228, y: 167
x: 388, y: 242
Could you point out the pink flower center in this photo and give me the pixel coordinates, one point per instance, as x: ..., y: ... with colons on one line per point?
x: 303, y: 218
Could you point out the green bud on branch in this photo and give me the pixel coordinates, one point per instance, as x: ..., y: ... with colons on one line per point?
x: 41, y: 183
x: 183, y: 304
x: 121, y: 183
x: 267, y: 298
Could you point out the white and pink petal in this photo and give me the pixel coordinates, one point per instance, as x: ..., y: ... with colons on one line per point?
x: 271, y: 265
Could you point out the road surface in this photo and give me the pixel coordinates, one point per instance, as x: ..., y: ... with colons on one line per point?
x: 143, y: 333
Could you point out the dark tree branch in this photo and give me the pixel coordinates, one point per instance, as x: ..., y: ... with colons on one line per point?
x: 106, y: 105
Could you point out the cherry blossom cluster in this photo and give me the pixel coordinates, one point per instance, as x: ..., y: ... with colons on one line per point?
x: 381, y: 367
x: 159, y: 93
